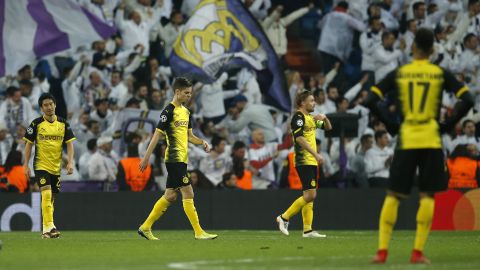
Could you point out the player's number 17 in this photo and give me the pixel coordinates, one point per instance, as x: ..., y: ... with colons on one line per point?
x: 425, y: 86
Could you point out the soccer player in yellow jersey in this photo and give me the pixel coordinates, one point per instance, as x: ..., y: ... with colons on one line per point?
x: 417, y: 88
x: 175, y: 125
x: 306, y: 159
x: 48, y: 132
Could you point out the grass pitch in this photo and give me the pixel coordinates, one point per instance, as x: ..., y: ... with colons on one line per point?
x: 233, y: 250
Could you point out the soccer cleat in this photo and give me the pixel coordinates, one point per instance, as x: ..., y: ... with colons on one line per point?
x: 313, y: 234
x: 380, y: 257
x: 54, y: 233
x: 147, y: 234
x: 205, y: 236
x: 418, y: 258
x: 46, y: 235
x: 282, y: 225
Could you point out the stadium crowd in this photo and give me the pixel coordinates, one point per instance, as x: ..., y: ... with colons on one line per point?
x: 251, y: 141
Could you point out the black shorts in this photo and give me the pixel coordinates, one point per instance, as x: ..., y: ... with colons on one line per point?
x: 44, y: 178
x: 308, y: 176
x: 177, y: 175
x: 433, y: 176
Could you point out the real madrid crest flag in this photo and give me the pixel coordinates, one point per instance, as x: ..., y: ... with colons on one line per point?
x: 221, y: 35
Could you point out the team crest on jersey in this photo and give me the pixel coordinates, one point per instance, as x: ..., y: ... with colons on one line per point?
x: 43, y: 181
x: 163, y: 118
x: 185, y: 180
x: 313, y: 183
x: 30, y: 130
x: 299, y: 122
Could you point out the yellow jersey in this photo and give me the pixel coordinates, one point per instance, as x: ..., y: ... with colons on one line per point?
x: 48, y: 138
x: 417, y: 89
x: 175, y: 123
x: 304, y: 125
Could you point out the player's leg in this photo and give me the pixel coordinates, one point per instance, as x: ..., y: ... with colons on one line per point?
x: 191, y: 212
x: 307, y: 215
x: 158, y: 210
x: 46, y: 204
x: 307, y: 175
x: 55, y: 185
x: 433, y: 178
x: 402, y: 172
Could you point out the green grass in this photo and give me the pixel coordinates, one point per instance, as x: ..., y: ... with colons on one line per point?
x: 232, y: 250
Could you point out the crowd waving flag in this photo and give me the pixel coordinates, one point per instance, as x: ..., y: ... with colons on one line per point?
x: 30, y: 29
x: 221, y: 35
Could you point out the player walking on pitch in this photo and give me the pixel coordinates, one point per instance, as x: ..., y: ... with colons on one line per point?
x: 306, y: 161
x: 175, y: 124
x: 417, y: 87
x: 48, y: 132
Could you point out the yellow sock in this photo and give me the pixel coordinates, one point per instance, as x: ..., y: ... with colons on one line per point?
x: 294, y: 208
x: 388, y: 218
x: 158, y: 209
x: 47, y: 210
x: 307, y: 216
x: 424, y: 221
x: 191, y: 213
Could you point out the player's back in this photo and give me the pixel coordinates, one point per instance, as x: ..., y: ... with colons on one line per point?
x: 417, y: 88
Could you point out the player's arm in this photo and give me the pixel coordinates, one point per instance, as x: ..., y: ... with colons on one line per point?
x: 377, y: 94
x: 195, y: 140
x: 70, y: 154
x: 29, y: 138
x: 464, y: 104
x: 151, y: 146
x: 322, y: 122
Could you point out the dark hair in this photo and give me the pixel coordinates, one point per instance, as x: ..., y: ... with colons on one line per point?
x: 317, y: 92
x: 238, y: 145
x: 386, y: 34
x: 14, y: 158
x: 92, y: 144
x: 472, y: 2
x: 181, y: 83
x: 301, y: 97
x: 364, y: 138
x: 226, y: 176
x: 99, y: 101
x: 91, y: 122
x: 45, y: 96
x: 11, y: 90
x: 216, y: 140
x: 343, y: 4
x: 464, y: 123
x: 424, y: 40
x: 468, y: 37
x: 379, y: 134
x: 417, y: 5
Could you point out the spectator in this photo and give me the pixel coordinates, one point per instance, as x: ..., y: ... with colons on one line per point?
x: 229, y: 181
x: 468, y: 135
x: 86, y: 156
x: 170, y: 32
x: 369, y: 42
x: 336, y: 38
x: 248, y: 84
x: 386, y: 57
x: 262, y: 155
x: 118, y: 89
x: 199, y: 180
x: 378, y: 160
x: 102, y: 114
x: 102, y: 166
x: 463, y: 167
x: 15, y: 109
x: 242, y: 114
x: 97, y: 89
x: 241, y: 166
x: 129, y: 177
x: 357, y: 164
x: 276, y: 27
x: 157, y: 100
x: 217, y: 163
x: 6, y: 142
x: 258, y: 8
x: 14, y: 174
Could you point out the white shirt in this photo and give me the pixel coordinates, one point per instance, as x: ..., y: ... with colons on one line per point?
x: 385, y: 61
x: 133, y: 33
x: 102, y: 167
x: 463, y: 139
x: 375, y: 161
x: 337, y: 34
x: 212, y: 96
x: 118, y: 92
x: 369, y: 41
x: 83, y: 163
x: 265, y: 152
x: 215, y: 167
